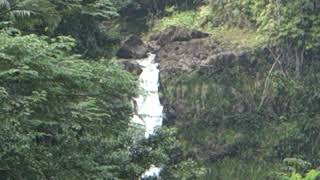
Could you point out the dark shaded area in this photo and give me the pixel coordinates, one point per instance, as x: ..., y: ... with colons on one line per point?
x: 133, y: 47
x: 92, y: 41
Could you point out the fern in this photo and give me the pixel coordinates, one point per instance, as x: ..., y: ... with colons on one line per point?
x: 20, y: 13
x: 4, y: 4
x: 11, y: 10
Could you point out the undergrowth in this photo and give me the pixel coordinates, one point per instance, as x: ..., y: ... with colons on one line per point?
x: 200, y: 19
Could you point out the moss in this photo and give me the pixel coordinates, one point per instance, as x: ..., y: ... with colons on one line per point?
x: 240, y: 37
x: 200, y: 19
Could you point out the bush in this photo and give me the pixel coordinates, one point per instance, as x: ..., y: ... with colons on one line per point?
x: 62, y: 117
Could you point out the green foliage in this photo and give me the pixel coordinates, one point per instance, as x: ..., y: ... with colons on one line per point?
x: 201, y: 19
x: 312, y: 175
x: 297, y: 169
x: 189, y: 19
x: 231, y: 12
x: 65, y: 118
x: 62, y: 117
x: 185, y: 170
x: 95, y: 8
x: 59, y: 17
x: 286, y: 126
x: 45, y: 16
x: 11, y: 10
x: 234, y: 168
x: 295, y: 101
x: 293, y: 23
x: 296, y: 165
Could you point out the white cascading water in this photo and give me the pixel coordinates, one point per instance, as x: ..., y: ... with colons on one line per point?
x: 149, y: 108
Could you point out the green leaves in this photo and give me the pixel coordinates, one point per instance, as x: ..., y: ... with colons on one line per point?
x: 60, y: 115
x: 297, y: 169
x: 286, y: 22
x: 95, y: 8
x: 11, y: 10
x: 4, y: 4
x: 100, y: 8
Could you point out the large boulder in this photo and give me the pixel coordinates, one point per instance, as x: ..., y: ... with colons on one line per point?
x: 185, y: 56
x: 174, y: 33
x: 133, y: 48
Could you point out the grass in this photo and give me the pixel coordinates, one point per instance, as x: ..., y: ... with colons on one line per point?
x: 190, y: 19
x: 237, y: 36
x: 236, y: 169
x: 200, y: 19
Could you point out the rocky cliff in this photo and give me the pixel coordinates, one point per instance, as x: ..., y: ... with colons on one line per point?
x: 210, y: 91
x: 231, y: 110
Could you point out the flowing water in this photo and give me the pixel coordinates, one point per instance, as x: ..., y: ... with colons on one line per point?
x: 149, y: 108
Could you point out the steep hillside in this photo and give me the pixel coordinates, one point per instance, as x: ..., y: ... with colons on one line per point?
x: 236, y: 109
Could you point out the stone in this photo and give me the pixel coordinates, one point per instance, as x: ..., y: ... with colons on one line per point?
x: 174, y: 33
x: 131, y: 66
x: 133, y: 48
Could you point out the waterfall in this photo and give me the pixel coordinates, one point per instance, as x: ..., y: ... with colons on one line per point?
x: 149, y: 109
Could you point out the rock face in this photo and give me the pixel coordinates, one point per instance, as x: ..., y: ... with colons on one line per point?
x: 133, y: 48
x: 205, y: 85
x: 177, y: 34
x: 182, y: 50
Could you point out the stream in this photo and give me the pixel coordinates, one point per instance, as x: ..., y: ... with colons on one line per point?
x: 149, y: 109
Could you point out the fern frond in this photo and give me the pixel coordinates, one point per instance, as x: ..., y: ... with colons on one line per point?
x: 5, y: 4
x: 20, y: 13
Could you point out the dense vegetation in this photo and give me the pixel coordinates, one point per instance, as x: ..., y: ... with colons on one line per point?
x: 65, y: 103
x: 63, y: 116
x: 281, y: 102
x: 55, y: 110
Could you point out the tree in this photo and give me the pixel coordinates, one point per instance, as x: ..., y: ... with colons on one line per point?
x: 61, y: 116
x: 293, y: 25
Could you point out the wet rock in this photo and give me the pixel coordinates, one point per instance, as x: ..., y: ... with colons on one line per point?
x: 133, y: 47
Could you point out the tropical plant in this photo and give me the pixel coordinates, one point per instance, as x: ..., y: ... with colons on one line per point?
x: 61, y: 116
x: 10, y: 10
x: 297, y: 169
